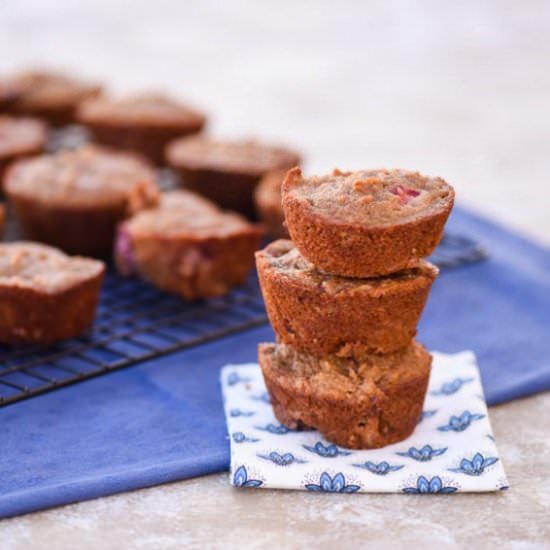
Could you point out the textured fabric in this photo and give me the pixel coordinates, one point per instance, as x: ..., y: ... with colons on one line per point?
x: 163, y: 420
x: 452, y: 449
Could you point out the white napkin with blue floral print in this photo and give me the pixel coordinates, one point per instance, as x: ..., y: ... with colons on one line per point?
x: 452, y: 450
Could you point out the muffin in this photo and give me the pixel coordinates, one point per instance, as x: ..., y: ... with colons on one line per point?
x: 75, y: 199
x: 143, y: 123
x: 10, y: 89
x: 20, y: 137
x: 226, y: 172
x: 188, y: 246
x: 367, y: 223
x: 361, y: 403
x: 45, y: 296
x: 268, y: 202
x: 2, y: 220
x: 322, y: 314
x: 51, y: 96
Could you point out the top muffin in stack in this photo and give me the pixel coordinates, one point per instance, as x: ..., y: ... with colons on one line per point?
x: 345, y: 302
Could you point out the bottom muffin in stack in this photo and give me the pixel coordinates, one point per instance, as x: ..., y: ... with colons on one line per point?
x: 360, y: 403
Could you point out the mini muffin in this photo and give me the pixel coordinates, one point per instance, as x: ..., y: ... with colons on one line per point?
x: 48, y: 95
x: 188, y: 246
x: 143, y: 123
x: 20, y: 137
x: 269, y: 207
x: 45, y: 296
x: 75, y: 199
x: 364, y: 403
x: 367, y: 223
x: 10, y: 89
x: 2, y: 220
x: 227, y: 172
x: 325, y: 314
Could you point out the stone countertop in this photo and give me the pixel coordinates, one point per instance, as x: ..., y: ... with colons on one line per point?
x: 459, y: 90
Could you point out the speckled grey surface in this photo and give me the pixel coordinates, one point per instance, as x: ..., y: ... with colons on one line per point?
x: 458, y: 89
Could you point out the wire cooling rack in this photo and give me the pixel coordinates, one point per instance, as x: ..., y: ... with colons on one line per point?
x: 136, y: 322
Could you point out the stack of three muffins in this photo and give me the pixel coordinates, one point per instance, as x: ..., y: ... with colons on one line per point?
x: 344, y: 299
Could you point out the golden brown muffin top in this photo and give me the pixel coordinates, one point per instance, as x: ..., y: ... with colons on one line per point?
x: 369, y: 197
x: 248, y: 157
x: 34, y: 89
x: 89, y: 176
x: 148, y: 108
x: 21, y: 135
x: 186, y: 214
x: 43, y: 268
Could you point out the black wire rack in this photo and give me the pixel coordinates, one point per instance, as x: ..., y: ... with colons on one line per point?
x: 136, y: 322
x: 455, y: 250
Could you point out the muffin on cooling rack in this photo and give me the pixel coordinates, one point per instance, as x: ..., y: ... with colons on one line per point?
x: 45, y: 295
x: 20, y: 137
x: 322, y: 314
x: 268, y: 201
x: 362, y: 403
x: 188, y: 246
x: 367, y: 223
x: 2, y: 220
x: 75, y: 199
x: 227, y: 172
x: 51, y: 96
x: 144, y: 123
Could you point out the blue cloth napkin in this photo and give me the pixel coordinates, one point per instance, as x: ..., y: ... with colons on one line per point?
x: 163, y: 420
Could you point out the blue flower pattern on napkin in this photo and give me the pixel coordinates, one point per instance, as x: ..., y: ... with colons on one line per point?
x: 431, y: 486
x: 427, y: 414
x: 448, y: 388
x: 452, y: 452
x: 235, y: 378
x: 326, y: 451
x: 336, y: 484
x: 476, y: 466
x: 460, y: 423
x: 424, y: 454
x: 240, y: 479
x: 239, y: 437
x: 238, y: 412
x: 381, y: 469
x: 262, y: 397
x: 274, y: 429
x: 285, y: 459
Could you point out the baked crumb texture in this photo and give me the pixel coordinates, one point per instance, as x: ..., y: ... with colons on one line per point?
x: 50, y: 96
x: 227, y: 172
x: 188, y: 246
x: 144, y: 123
x: 2, y: 220
x: 367, y: 223
x: 344, y: 297
x: 362, y: 403
x: 323, y: 314
x: 20, y: 137
x: 75, y: 199
x: 45, y: 295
